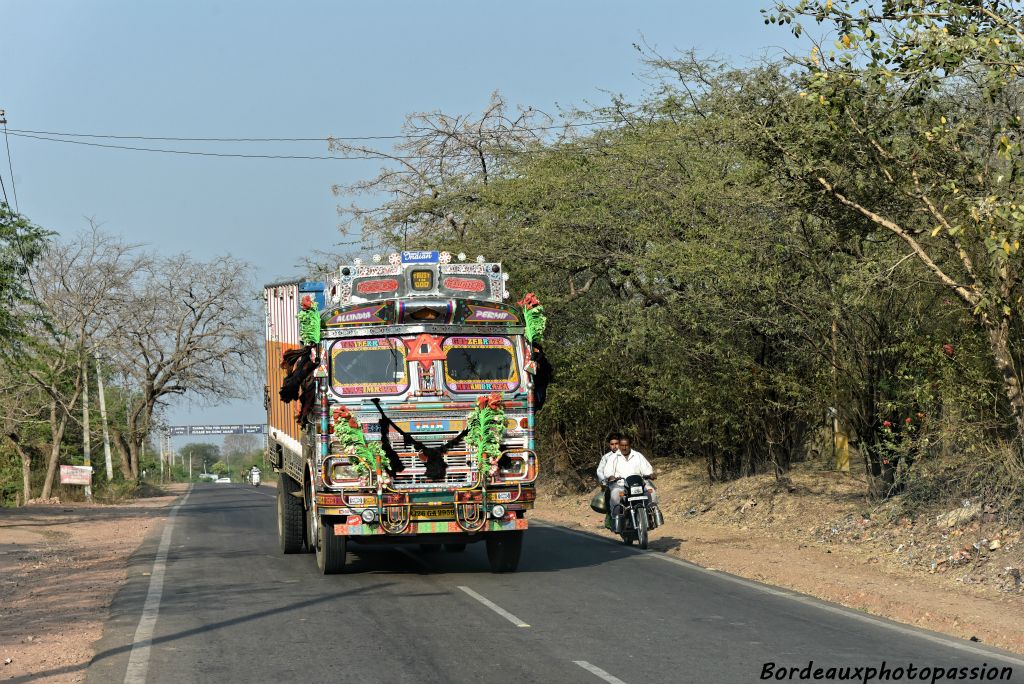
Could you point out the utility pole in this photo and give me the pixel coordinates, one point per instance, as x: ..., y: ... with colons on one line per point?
x: 86, y: 445
x: 103, y: 419
x: 189, y: 466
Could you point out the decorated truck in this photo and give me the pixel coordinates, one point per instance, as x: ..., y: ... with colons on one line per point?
x: 400, y: 402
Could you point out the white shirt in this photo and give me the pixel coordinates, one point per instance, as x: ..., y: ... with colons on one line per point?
x: 600, y: 466
x: 618, y: 466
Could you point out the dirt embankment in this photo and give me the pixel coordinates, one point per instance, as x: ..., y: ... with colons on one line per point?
x: 954, y: 571
x: 60, y: 566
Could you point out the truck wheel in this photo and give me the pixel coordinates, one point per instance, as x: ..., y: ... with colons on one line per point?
x: 503, y: 550
x: 291, y: 523
x: 331, y: 549
x: 455, y: 548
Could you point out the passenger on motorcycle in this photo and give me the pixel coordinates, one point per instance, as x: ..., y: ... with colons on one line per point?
x: 613, y: 448
x: 620, y: 466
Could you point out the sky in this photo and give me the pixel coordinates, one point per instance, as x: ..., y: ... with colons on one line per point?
x: 208, y: 68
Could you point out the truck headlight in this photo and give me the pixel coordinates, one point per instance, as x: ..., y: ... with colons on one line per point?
x: 497, y: 511
x: 369, y: 515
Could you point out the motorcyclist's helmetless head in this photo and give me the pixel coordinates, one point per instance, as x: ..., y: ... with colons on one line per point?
x: 625, y: 444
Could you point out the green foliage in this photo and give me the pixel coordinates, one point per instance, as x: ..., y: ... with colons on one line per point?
x: 911, y: 123
x: 220, y: 469
x: 21, y: 244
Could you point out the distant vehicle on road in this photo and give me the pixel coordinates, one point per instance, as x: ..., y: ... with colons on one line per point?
x: 207, y: 477
x: 223, y: 480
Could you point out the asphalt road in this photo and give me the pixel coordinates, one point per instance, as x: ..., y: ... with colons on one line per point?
x: 231, y: 608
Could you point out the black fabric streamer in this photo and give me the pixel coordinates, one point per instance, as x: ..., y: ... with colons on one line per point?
x: 385, y: 442
x: 436, y: 467
x: 300, y: 365
x: 300, y: 383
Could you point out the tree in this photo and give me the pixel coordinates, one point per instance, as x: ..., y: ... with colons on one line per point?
x: 220, y: 469
x: 21, y: 245
x: 188, y: 326
x: 202, y: 453
x: 910, y: 124
x: 81, y: 286
x: 241, y: 445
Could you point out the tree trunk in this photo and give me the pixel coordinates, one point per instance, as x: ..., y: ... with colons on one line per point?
x: 122, y: 452
x: 999, y: 341
x: 26, y: 467
x: 57, y: 427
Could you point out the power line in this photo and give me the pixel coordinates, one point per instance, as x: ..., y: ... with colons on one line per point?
x: 10, y: 167
x: 4, y: 188
x: 414, y: 136
x: 188, y: 152
x: 362, y: 155
x: 7, y: 144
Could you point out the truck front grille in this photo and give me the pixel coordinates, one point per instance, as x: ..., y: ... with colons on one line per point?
x: 461, y: 467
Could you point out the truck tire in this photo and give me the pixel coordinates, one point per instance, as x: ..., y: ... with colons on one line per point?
x: 331, y: 549
x: 291, y: 522
x: 503, y: 550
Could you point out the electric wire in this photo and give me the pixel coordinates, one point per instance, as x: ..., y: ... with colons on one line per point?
x: 4, y: 188
x: 414, y: 136
x: 10, y: 167
x: 361, y: 155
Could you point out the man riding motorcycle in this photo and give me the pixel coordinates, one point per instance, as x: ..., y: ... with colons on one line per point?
x: 617, y: 468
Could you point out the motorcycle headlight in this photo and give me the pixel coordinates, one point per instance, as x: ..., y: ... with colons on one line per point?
x: 636, y: 490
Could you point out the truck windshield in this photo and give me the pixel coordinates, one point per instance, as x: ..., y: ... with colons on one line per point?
x: 477, y: 364
x: 374, y: 366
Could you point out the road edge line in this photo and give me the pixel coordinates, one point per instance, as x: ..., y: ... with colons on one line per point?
x: 138, y: 660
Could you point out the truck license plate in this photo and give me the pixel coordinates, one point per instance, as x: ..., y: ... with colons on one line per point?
x: 434, y: 512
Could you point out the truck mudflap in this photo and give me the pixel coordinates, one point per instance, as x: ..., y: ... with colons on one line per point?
x: 360, y: 529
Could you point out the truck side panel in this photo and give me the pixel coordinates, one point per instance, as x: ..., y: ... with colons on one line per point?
x: 282, y: 335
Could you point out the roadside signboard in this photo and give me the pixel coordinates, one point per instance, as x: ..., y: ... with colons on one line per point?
x: 76, y: 475
x: 207, y: 430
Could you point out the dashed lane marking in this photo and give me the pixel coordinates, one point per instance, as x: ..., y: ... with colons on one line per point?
x: 595, y: 670
x: 138, y: 660
x: 495, y: 607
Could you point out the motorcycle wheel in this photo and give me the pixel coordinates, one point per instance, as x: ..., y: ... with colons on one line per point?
x: 641, y: 530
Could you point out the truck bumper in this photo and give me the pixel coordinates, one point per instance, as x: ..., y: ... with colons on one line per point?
x: 428, y: 527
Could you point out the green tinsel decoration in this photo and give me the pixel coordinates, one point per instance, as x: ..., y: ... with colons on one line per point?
x: 309, y: 322
x: 367, y: 458
x: 486, y: 430
x: 536, y: 323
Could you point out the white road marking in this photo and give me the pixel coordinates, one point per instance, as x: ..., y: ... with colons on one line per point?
x: 951, y: 642
x: 495, y: 607
x: 595, y: 670
x: 138, y: 661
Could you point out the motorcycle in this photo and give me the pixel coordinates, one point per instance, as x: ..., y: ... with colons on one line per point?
x: 254, y: 477
x: 639, y: 514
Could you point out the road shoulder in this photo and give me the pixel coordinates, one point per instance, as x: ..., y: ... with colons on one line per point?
x: 62, y: 567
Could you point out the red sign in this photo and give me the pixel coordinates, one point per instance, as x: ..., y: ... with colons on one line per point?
x: 465, y: 284
x: 377, y: 286
x: 77, y: 475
